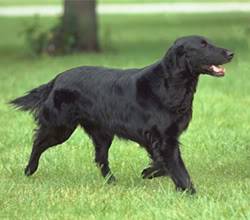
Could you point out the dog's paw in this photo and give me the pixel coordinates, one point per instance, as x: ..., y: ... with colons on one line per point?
x: 29, y: 170
x: 152, y: 172
x: 147, y: 173
x: 110, y: 179
x: 190, y: 190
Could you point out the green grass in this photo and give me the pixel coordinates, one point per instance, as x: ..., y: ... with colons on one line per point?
x: 51, y: 2
x: 67, y: 185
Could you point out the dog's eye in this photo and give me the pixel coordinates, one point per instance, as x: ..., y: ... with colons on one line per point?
x: 203, y: 43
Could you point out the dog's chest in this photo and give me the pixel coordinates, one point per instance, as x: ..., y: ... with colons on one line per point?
x: 183, y: 111
x: 179, y: 99
x: 183, y: 121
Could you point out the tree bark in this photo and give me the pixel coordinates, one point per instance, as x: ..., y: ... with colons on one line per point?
x: 80, y: 21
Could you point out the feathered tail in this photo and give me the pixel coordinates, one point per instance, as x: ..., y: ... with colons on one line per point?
x: 34, y: 99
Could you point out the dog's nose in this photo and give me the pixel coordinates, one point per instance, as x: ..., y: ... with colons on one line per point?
x: 229, y: 54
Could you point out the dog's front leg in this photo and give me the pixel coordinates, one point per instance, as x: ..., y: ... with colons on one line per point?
x: 177, y: 171
x: 167, y: 161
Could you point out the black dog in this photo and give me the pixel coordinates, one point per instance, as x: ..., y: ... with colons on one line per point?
x: 151, y: 106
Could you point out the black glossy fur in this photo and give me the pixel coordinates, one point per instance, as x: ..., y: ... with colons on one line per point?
x: 151, y: 106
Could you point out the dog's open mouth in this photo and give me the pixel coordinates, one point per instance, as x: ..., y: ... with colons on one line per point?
x: 215, y: 70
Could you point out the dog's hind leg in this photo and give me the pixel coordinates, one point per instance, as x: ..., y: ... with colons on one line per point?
x: 102, y: 142
x: 46, y: 137
x: 167, y: 159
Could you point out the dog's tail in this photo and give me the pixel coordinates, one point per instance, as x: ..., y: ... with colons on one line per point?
x: 34, y: 99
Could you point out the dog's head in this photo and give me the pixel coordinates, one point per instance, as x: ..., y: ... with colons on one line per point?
x: 198, y: 55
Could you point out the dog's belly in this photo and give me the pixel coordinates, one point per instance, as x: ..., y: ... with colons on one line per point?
x: 143, y: 132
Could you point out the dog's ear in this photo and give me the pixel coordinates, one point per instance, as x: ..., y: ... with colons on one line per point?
x: 183, y: 60
x: 188, y: 64
x: 177, y: 58
x: 179, y: 51
x: 173, y: 58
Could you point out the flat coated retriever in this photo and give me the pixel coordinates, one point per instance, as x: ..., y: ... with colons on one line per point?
x: 151, y: 106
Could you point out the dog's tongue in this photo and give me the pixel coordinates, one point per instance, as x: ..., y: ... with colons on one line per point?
x: 218, y: 69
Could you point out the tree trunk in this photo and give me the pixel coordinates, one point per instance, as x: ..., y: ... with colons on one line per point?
x: 77, y: 30
x: 80, y: 22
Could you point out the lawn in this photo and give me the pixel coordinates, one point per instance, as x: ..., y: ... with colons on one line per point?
x: 216, y: 147
x: 49, y: 2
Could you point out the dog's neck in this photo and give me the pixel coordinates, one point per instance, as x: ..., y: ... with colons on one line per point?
x: 174, y: 74
x: 177, y: 81
x: 169, y: 90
